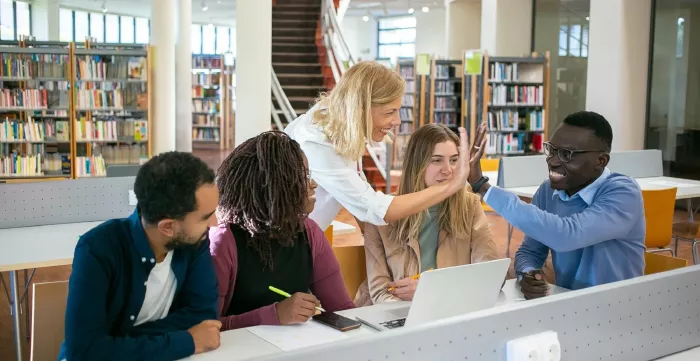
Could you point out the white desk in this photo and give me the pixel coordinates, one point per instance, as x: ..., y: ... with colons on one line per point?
x: 690, y: 355
x: 242, y: 344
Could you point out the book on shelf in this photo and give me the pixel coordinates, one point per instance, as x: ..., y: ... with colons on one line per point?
x: 205, y: 134
x: 27, y: 66
x: 514, y: 120
x: 406, y: 114
x: 126, y: 130
x: 110, y: 68
x: 31, y: 131
x: 92, y: 166
x: 205, y: 106
x: 505, y: 95
x: 16, y: 165
x: 206, y: 79
x: 514, y: 143
x: 206, y: 62
x: 122, y: 154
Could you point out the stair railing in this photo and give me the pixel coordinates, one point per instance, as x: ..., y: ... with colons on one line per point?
x: 285, y: 108
x: 339, y: 60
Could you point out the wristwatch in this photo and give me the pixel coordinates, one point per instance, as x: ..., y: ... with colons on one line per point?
x: 478, y: 184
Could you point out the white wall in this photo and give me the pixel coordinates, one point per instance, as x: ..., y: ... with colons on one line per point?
x: 462, y: 27
x: 361, y: 36
x: 430, y: 32
x: 506, y: 27
x: 618, y: 58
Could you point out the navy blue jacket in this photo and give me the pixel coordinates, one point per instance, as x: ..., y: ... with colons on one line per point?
x: 111, y: 265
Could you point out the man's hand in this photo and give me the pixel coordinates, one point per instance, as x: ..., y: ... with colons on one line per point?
x: 297, y: 309
x: 476, y: 153
x: 206, y: 336
x: 461, y: 173
x: 533, y: 285
x: 404, y: 288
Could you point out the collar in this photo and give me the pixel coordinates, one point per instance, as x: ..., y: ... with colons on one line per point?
x: 139, y: 239
x: 588, y: 192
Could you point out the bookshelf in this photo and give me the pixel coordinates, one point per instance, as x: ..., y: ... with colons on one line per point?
x: 68, y: 112
x: 35, y: 134
x: 513, y: 100
x: 445, y: 93
x: 407, y: 113
x: 112, y: 108
x: 212, y: 96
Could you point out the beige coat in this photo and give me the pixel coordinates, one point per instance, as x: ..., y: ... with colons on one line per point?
x: 388, y: 261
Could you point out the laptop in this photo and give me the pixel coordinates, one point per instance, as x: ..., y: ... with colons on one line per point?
x: 443, y: 293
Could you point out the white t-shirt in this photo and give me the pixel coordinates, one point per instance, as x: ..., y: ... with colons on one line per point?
x: 160, y: 292
x: 339, y: 181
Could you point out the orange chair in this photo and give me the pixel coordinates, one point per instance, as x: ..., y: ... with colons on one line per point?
x: 352, y: 263
x: 489, y: 165
x: 659, y: 205
x: 656, y: 263
x: 329, y: 234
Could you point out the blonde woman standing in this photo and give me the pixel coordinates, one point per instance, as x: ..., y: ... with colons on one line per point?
x: 363, y: 106
x: 451, y: 233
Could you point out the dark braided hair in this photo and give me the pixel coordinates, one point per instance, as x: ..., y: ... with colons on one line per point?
x: 263, y: 189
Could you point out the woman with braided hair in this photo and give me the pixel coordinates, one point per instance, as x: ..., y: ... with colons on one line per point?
x: 265, y: 238
x: 363, y: 107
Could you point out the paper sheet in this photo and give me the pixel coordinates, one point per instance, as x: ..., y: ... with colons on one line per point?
x: 294, y: 337
x: 672, y: 184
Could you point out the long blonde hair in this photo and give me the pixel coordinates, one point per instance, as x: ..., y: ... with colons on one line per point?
x: 345, y: 114
x: 453, y: 211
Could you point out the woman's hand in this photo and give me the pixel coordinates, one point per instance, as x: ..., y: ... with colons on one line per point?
x: 404, y: 288
x: 461, y: 174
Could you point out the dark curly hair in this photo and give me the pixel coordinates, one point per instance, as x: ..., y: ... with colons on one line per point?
x: 263, y: 189
x: 165, y: 186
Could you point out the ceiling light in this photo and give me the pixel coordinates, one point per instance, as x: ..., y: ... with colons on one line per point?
x: 104, y: 6
x: 411, y: 10
x: 425, y: 9
x: 365, y: 18
x: 204, y: 7
x: 587, y: 18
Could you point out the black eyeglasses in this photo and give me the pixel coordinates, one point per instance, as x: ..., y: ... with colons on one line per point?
x: 565, y: 155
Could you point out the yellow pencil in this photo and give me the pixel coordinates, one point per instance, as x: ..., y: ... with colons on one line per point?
x: 414, y: 277
x: 285, y: 294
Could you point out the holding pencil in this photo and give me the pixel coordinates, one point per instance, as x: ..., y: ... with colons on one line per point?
x: 285, y: 294
x: 405, y: 288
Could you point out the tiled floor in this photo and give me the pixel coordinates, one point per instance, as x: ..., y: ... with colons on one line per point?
x: 214, y: 158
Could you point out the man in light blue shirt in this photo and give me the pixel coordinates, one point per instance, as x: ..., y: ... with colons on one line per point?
x: 591, y: 219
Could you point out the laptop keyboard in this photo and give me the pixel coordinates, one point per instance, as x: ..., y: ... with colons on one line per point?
x: 394, y: 323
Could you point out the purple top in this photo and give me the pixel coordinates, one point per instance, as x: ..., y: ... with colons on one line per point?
x: 327, y: 283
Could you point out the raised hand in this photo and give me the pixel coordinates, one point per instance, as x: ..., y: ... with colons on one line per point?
x: 461, y: 173
x: 477, y: 152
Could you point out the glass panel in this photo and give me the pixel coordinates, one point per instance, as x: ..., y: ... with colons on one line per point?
x: 389, y: 51
x: 23, y: 19
x: 561, y: 28
x: 97, y: 27
x: 208, y: 40
x: 408, y: 50
x: 196, y: 39
x: 65, y: 25
x: 388, y: 37
x: 233, y: 41
x: 127, y: 29
x: 142, y: 30
x: 111, y: 29
x: 7, y: 21
x: 397, y: 22
x: 222, y: 41
x: 81, y: 25
x: 674, y: 110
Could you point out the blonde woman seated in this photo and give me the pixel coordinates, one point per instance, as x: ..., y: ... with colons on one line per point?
x: 453, y: 232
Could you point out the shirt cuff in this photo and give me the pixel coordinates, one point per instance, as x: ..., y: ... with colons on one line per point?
x: 488, y: 192
x: 377, y: 206
x: 268, y: 315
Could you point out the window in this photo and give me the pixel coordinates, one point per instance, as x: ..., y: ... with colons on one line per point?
x: 127, y: 29
x: 111, y: 28
x: 7, y: 20
x: 196, y: 39
x: 142, y: 30
x: 233, y: 41
x: 23, y: 25
x: 573, y: 37
x: 223, y: 42
x: 97, y: 27
x: 397, y: 37
x: 82, y: 30
x: 208, y: 39
x: 65, y: 25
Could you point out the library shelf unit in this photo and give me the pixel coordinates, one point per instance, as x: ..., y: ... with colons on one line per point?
x: 407, y: 113
x: 212, y: 98
x: 513, y: 101
x: 445, y: 92
x: 69, y: 110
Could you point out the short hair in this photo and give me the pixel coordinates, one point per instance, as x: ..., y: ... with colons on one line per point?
x: 263, y: 188
x: 591, y: 120
x: 165, y: 185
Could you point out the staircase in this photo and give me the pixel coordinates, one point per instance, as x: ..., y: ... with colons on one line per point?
x: 294, y: 52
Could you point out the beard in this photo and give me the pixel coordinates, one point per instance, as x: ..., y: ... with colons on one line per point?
x: 183, y: 241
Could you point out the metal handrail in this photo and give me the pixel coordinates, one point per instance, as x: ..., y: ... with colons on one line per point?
x: 285, y: 107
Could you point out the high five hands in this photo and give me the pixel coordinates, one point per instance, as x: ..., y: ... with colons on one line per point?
x: 476, y: 153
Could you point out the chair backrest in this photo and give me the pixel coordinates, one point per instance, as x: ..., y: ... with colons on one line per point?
x: 489, y: 165
x: 659, y: 206
x: 352, y: 266
x: 49, y: 313
x: 329, y: 234
x: 656, y: 263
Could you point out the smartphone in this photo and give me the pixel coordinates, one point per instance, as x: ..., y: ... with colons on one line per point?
x: 336, y: 321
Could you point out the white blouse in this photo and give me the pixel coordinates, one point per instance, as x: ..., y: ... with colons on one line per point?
x: 340, y: 182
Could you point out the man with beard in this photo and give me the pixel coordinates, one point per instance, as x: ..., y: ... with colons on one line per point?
x: 144, y: 287
x: 590, y: 218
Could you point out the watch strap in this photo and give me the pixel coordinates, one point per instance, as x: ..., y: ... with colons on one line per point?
x: 476, y: 186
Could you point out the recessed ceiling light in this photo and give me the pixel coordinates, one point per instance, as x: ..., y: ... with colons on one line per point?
x: 204, y: 7
x: 425, y: 9
x: 411, y: 10
x: 365, y: 18
x: 588, y: 18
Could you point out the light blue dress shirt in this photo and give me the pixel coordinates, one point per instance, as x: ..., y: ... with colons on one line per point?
x: 596, y: 236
